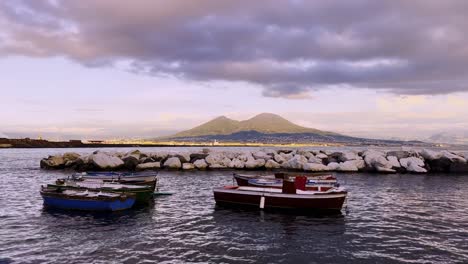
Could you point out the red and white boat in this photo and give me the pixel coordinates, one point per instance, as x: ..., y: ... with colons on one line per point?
x: 293, y: 195
x: 313, y: 183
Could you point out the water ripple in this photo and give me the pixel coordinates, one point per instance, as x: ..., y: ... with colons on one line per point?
x: 390, y: 219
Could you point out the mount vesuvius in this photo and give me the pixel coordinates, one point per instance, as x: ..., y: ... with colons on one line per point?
x: 264, y: 128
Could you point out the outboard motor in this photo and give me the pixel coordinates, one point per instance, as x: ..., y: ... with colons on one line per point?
x: 289, y: 186
x: 280, y: 175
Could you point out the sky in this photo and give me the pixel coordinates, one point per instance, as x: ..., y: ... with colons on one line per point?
x: 146, y: 68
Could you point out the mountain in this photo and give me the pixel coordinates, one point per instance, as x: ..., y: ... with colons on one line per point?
x: 265, y: 123
x: 459, y: 137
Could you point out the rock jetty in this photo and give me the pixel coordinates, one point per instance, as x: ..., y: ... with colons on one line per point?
x: 371, y: 160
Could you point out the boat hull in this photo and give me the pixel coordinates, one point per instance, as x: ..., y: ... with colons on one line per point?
x: 329, y: 201
x: 142, y: 196
x: 57, y: 199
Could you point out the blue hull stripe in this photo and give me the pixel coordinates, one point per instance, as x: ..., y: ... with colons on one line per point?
x: 91, y: 205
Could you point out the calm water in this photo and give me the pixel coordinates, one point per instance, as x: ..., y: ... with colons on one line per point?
x: 390, y: 219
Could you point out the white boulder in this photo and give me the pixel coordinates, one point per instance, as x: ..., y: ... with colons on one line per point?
x: 245, y: 156
x: 314, y: 159
x: 279, y: 158
x: 261, y: 155
x: 394, y: 161
x: 173, y: 163
x: 376, y: 160
x: 347, y: 166
x: 430, y: 154
x: 254, y: 163
x: 296, y: 163
x: 236, y: 164
x: 452, y: 157
x: 188, y: 166
x: 148, y: 166
x: 214, y: 158
x: 159, y: 156
x: 305, y: 153
x: 413, y: 164
x: 200, y: 164
x: 315, y: 167
x: 271, y: 164
x: 321, y: 155
x: 333, y: 166
x: 106, y: 162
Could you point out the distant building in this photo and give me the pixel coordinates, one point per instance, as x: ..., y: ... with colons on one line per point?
x: 96, y: 141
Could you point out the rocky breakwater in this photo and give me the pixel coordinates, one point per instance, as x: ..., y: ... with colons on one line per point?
x: 371, y: 160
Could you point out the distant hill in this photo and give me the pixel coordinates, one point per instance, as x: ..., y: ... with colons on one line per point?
x: 267, y: 128
x: 460, y: 137
x: 263, y: 123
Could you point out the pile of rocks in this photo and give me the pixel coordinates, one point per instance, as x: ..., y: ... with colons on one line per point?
x: 412, y: 161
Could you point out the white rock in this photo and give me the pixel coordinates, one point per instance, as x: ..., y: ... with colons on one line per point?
x: 214, y: 158
x: 315, y: 159
x: 70, y: 156
x: 430, y: 154
x: 183, y: 156
x: 287, y: 157
x: 261, y: 155
x: 106, y: 162
x: 217, y: 166
x: 236, y: 164
x: 350, y: 155
x: 394, y: 161
x: 271, y: 164
x: 245, y: 156
x: 230, y: 155
x: 332, y: 166
x: 452, y: 157
x: 297, y: 163
x: 254, y: 164
x: 413, y: 164
x: 270, y: 152
x: 173, y: 163
x: 376, y: 159
x: 321, y: 156
x: 385, y: 170
x: 359, y: 163
x: 315, y: 167
x: 159, y: 156
x: 305, y: 153
x: 148, y: 166
x: 347, y: 166
x: 345, y: 156
x: 188, y: 166
x: 279, y: 158
x: 225, y: 162
x: 200, y: 164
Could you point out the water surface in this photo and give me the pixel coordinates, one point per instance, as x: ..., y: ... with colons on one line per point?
x: 389, y: 219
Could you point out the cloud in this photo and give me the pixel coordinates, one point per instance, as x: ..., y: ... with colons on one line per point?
x: 288, y: 48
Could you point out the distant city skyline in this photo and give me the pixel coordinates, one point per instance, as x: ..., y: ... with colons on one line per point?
x: 143, y: 69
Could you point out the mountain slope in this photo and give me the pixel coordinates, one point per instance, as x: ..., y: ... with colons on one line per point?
x: 271, y: 123
x: 264, y: 123
x: 218, y: 126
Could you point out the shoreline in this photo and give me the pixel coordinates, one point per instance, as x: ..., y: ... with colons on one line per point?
x: 403, y: 160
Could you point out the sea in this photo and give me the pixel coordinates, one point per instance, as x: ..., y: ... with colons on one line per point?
x: 398, y: 218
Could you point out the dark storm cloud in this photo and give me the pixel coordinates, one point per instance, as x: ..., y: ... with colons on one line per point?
x: 287, y: 47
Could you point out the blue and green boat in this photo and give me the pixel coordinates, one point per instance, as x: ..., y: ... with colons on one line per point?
x: 86, y: 200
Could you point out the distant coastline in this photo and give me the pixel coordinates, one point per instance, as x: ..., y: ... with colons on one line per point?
x: 42, y: 143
